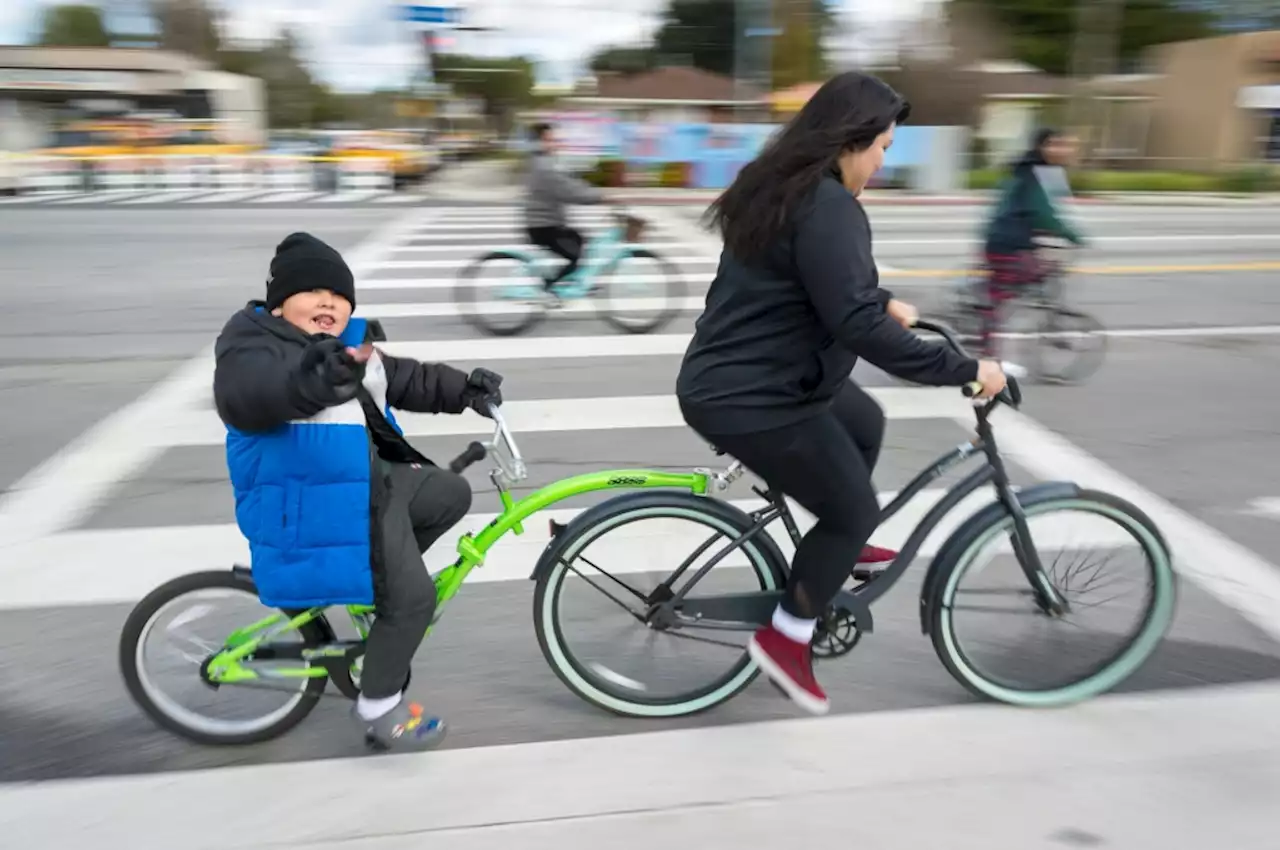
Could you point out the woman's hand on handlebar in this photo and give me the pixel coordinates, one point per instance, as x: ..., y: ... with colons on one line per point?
x: 991, y: 376
x: 902, y: 313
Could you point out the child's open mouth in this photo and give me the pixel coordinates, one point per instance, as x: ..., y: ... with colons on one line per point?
x: 324, y: 322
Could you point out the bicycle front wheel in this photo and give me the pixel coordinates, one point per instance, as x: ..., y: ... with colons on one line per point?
x: 980, y: 578
x: 642, y: 292
x: 602, y: 575
x: 1058, y: 345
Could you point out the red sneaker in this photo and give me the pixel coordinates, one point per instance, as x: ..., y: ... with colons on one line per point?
x: 790, y: 665
x: 876, y: 555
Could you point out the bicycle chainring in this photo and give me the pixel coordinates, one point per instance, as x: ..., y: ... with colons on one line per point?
x: 836, y: 635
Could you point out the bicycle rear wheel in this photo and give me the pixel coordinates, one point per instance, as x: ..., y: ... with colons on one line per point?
x: 595, y: 558
x: 1084, y: 667
x: 215, y: 720
x: 501, y: 293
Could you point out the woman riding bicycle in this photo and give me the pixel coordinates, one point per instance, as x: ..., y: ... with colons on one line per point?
x: 795, y: 302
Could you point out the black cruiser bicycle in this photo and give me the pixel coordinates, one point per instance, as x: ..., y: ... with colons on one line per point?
x: 657, y: 536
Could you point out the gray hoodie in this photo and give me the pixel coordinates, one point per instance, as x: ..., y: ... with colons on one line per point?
x: 548, y: 190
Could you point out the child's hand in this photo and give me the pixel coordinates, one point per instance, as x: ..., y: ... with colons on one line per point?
x: 331, y: 374
x: 361, y: 354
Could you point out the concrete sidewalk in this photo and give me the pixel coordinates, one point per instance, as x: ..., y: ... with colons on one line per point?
x: 1159, y: 771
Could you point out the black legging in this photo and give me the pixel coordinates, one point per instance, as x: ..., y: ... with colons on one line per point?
x: 825, y: 464
x: 564, y: 241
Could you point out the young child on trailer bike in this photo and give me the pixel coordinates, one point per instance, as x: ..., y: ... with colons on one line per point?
x: 337, y: 506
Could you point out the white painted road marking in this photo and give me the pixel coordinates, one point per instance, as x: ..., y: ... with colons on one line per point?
x: 202, y: 427
x: 1148, y: 772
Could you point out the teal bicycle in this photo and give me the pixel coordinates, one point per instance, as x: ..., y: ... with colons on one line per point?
x: 502, y: 292
x: 679, y: 584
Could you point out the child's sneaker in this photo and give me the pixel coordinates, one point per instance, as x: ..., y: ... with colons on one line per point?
x: 789, y: 664
x: 403, y: 728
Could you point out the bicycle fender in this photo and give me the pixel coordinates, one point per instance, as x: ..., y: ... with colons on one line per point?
x: 563, y: 535
x: 950, y: 550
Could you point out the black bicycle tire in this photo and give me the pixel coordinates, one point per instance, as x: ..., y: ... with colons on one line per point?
x: 576, y: 675
x: 165, y: 593
x: 1095, y: 329
x: 1156, y: 620
x: 464, y: 294
x: 675, y: 290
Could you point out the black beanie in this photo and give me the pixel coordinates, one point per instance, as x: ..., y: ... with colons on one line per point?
x: 303, y: 263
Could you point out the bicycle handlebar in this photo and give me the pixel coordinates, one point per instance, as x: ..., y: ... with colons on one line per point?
x: 477, y: 451
x: 1010, y: 395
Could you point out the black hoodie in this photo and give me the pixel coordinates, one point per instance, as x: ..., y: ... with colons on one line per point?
x: 778, y: 339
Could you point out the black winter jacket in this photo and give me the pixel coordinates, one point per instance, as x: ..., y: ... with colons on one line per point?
x: 270, y: 372
x: 778, y: 338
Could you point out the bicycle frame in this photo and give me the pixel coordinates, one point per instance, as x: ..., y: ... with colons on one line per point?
x: 472, y: 549
x: 599, y: 256
x: 750, y: 610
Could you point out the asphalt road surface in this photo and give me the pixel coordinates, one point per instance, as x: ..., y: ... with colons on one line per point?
x: 105, y: 304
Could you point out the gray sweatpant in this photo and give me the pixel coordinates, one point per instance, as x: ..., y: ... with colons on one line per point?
x: 419, y: 504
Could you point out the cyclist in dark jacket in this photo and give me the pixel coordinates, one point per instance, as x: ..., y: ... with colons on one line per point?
x: 1029, y: 209
x: 795, y: 302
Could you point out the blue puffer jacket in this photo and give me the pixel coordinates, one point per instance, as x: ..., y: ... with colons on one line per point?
x: 300, y: 452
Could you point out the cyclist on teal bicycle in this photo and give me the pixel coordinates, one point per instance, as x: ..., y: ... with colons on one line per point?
x: 337, y: 506
x: 549, y: 190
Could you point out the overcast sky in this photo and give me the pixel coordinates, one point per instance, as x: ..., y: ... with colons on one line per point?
x: 359, y: 43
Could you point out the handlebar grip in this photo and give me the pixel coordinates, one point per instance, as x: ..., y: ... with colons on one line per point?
x: 971, y: 389
x: 470, y: 455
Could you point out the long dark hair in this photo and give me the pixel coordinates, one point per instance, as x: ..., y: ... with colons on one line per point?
x: 847, y: 113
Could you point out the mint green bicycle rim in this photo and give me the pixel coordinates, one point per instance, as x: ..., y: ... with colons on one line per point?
x: 734, y: 681
x: 1159, y: 616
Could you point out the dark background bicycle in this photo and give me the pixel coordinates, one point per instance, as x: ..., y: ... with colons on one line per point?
x: 1029, y: 321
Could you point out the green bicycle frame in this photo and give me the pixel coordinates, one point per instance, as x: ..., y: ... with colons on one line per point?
x: 225, y: 667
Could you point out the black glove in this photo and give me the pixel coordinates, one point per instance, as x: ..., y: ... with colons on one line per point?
x: 329, y: 375
x: 482, y: 390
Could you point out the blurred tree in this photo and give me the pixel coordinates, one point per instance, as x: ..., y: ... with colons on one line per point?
x: 1043, y: 32
x: 701, y: 33
x: 188, y: 26
x: 698, y: 33
x: 503, y: 85
x: 798, y: 55
x: 73, y: 25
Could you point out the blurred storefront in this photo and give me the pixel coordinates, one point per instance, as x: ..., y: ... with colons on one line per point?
x: 1203, y: 104
x: 111, y: 100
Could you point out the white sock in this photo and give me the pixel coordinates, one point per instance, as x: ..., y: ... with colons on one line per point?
x: 372, y: 709
x: 798, y: 630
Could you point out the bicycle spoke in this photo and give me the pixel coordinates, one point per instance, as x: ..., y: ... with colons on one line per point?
x: 615, y: 600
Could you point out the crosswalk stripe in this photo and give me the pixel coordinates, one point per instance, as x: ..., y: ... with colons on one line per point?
x: 459, y: 264
x: 515, y: 307
x: 399, y: 283
x: 441, y: 249
x: 286, y: 197
x: 594, y: 413
x: 67, y: 569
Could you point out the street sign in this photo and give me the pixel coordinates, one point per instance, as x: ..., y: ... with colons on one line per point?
x: 431, y: 14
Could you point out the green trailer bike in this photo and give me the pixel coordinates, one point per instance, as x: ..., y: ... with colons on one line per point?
x: 292, y: 655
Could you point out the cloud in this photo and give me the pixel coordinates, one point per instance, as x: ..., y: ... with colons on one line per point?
x: 359, y: 44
